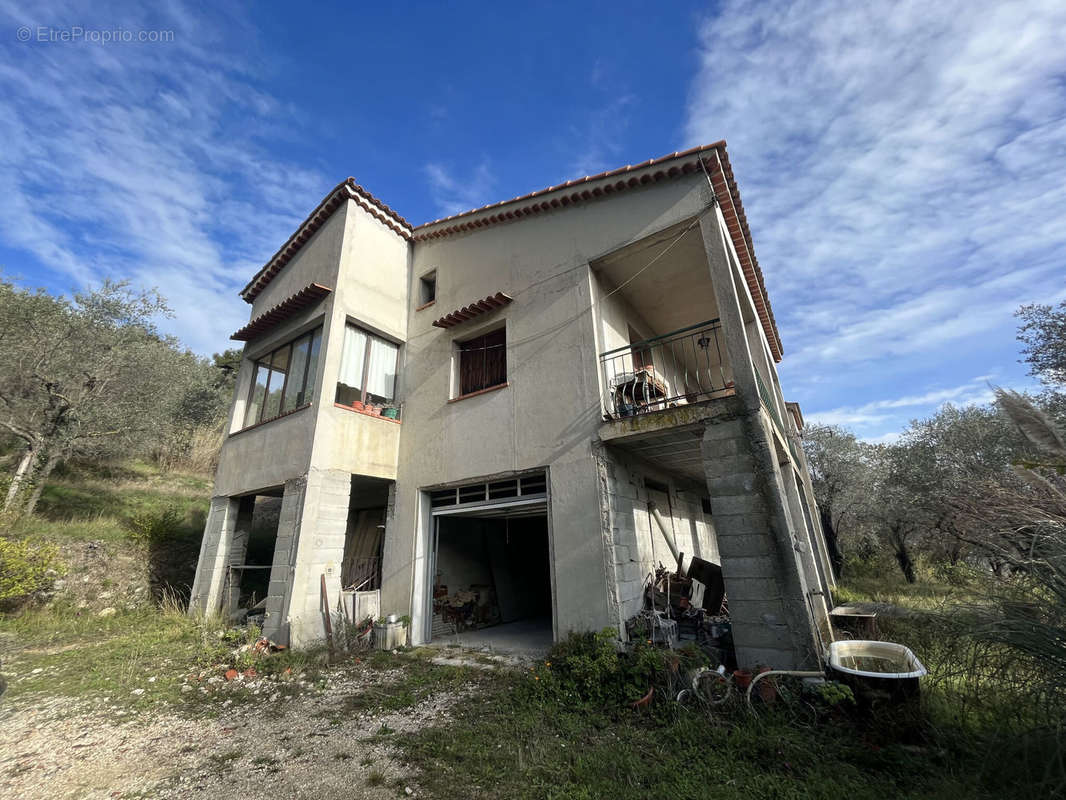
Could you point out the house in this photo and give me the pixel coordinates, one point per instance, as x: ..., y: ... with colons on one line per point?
x: 474, y: 422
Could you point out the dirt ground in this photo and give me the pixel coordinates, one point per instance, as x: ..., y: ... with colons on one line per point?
x: 294, y: 747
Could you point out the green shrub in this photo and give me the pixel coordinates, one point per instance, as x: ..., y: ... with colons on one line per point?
x: 26, y: 567
x: 593, y: 669
x: 153, y: 526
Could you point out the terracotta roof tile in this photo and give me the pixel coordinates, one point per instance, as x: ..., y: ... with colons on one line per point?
x: 284, y: 310
x: 712, y: 157
x: 477, y: 308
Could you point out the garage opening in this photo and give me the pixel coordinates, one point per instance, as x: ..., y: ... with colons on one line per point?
x: 492, y: 584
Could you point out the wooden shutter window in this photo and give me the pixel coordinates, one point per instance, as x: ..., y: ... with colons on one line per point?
x: 483, y: 362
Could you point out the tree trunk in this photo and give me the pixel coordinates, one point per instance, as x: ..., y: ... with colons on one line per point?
x: 832, y: 543
x: 18, y: 480
x: 45, y: 472
x: 903, y: 557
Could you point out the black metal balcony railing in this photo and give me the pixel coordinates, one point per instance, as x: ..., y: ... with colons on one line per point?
x: 684, y: 366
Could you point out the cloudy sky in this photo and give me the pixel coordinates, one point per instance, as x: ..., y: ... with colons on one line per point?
x: 903, y: 167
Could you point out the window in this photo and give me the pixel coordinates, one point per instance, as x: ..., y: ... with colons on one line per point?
x: 483, y: 362
x: 284, y: 379
x: 368, y: 369
x: 427, y: 289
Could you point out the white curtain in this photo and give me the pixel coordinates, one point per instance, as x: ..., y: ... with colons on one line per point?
x: 381, y: 376
x: 352, y: 358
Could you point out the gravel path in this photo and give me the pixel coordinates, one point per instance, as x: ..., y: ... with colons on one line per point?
x: 298, y: 747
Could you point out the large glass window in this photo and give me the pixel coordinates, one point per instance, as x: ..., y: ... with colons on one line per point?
x: 284, y: 379
x: 483, y: 362
x: 368, y: 369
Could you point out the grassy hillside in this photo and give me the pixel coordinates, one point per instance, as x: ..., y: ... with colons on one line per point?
x: 112, y: 645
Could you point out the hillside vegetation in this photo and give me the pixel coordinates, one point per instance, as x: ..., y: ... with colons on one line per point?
x: 113, y: 644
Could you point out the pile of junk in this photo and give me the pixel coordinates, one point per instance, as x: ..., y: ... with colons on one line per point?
x: 685, y: 606
x: 689, y: 607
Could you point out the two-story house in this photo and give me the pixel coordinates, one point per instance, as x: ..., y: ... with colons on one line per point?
x: 476, y: 420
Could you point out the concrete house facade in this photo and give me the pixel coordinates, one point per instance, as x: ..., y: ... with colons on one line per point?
x: 470, y: 422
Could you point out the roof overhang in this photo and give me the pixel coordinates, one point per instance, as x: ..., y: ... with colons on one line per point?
x: 711, y: 158
x: 286, y: 309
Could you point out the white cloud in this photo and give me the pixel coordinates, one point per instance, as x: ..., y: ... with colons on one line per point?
x: 600, y: 133
x: 879, y: 413
x: 903, y: 167
x: 145, y: 161
x: 454, y: 195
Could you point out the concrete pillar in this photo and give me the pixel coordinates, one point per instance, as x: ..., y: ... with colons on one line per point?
x: 238, y: 552
x: 810, y: 508
x: 804, y: 545
x: 279, y: 591
x: 319, y: 551
x: 763, y: 577
x: 206, y: 596
x: 729, y: 310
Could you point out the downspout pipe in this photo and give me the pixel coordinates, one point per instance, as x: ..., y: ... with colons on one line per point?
x: 666, y: 534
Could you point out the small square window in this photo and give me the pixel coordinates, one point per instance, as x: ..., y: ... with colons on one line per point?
x: 427, y: 289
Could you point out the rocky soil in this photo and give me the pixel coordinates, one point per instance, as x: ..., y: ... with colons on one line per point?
x: 273, y: 746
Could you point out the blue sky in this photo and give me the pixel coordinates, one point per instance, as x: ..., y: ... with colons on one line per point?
x: 903, y: 167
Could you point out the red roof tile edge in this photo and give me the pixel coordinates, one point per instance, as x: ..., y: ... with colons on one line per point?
x: 721, y: 172
x: 307, y: 296
x: 578, y: 191
x: 478, y: 307
x: 347, y: 189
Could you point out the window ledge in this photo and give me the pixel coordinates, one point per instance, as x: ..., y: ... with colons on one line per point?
x: 495, y: 388
x: 425, y: 305
x: 365, y: 413
x: 268, y: 421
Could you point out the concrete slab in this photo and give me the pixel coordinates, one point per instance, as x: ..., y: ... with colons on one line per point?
x: 525, y: 637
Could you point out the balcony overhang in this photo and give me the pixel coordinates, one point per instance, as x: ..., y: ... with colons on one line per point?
x: 670, y: 439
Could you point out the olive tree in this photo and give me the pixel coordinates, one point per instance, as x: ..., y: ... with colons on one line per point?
x: 841, y: 476
x: 84, y: 377
x: 1043, y: 332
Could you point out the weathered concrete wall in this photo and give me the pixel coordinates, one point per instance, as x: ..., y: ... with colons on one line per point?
x: 318, y: 550
x: 214, y: 550
x: 279, y: 591
x: 373, y: 294
x: 548, y: 415
x: 764, y: 580
x: 314, y: 451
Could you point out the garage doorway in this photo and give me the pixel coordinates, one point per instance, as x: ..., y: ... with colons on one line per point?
x: 491, y: 573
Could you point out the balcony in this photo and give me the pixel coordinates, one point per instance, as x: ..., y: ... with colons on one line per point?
x: 679, y: 368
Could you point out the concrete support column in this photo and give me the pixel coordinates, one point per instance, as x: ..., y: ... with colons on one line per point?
x: 729, y: 311
x: 279, y: 591
x: 238, y: 552
x: 763, y: 577
x: 804, y: 545
x: 319, y: 551
x: 810, y: 507
x: 211, y: 569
